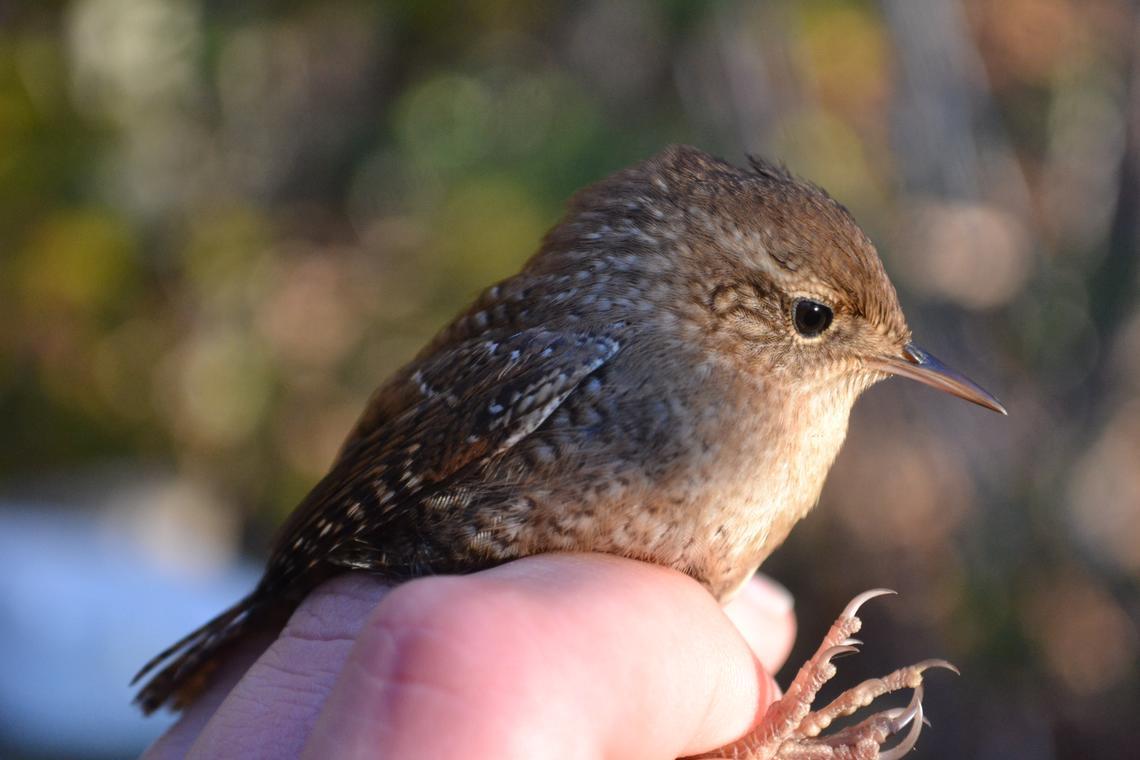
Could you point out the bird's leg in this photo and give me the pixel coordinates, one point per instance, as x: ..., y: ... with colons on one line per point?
x: 790, y: 729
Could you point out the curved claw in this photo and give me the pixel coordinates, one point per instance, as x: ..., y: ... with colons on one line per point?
x: 906, y: 745
x: 911, y: 714
x: 852, y: 608
x: 830, y: 654
x: 851, y: 642
x: 926, y: 665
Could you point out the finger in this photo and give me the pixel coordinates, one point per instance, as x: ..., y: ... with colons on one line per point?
x: 175, y: 742
x: 763, y: 612
x: 551, y: 656
x: 271, y: 710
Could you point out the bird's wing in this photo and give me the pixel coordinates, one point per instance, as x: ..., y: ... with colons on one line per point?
x: 477, y: 400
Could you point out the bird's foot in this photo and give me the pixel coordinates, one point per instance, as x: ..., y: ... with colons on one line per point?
x: 791, y: 730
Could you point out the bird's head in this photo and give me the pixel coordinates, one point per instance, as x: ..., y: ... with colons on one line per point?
x: 785, y: 278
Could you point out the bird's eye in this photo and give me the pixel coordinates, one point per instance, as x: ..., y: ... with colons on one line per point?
x: 811, y: 317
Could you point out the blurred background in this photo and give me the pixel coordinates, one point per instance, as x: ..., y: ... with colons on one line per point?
x: 222, y: 225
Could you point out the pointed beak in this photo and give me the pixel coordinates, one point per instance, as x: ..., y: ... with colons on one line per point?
x: 919, y: 365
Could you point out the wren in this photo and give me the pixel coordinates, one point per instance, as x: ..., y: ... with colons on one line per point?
x: 668, y: 379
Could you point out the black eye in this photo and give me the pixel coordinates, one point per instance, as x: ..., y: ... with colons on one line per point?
x: 811, y: 317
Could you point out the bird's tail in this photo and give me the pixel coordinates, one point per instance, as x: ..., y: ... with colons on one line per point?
x: 190, y: 661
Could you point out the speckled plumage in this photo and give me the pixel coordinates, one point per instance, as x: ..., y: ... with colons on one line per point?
x: 637, y: 389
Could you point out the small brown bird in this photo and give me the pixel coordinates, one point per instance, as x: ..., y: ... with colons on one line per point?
x: 669, y: 378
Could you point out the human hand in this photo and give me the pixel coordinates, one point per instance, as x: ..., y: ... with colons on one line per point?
x: 553, y: 656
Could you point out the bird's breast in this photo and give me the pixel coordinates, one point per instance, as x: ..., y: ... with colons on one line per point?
x: 768, y: 473
x: 698, y: 471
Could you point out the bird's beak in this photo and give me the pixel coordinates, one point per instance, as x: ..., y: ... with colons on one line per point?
x: 919, y: 365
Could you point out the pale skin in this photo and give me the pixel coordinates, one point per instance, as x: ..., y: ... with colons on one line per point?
x: 555, y: 656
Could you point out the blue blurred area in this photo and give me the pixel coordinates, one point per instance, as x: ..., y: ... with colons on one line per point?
x: 81, y: 605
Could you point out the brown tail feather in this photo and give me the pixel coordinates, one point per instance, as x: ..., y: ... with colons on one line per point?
x: 196, y: 655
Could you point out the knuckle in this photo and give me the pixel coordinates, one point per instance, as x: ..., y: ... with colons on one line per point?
x: 432, y: 630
